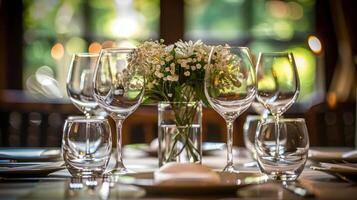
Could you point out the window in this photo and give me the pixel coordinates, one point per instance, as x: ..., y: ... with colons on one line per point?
x: 264, y: 26
x: 55, y: 29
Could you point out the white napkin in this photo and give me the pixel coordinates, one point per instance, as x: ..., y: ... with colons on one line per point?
x: 185, y: 174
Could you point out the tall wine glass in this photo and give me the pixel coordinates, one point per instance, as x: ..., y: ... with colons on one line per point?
x: 230, y: 87
x: 278, y: 86
x: 79, y: 84
x: 118, y: 88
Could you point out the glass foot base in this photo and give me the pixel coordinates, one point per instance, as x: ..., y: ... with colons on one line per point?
x: 118, y: 171
x: 230, y: 168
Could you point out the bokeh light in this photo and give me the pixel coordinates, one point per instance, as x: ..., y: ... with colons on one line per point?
x: 314, y: 44
x: 94, y: 47
x: 125, y: 27
x: 108, y: 44
x: 57, y: 51
x: 331, y: 99
x: 75, y: 45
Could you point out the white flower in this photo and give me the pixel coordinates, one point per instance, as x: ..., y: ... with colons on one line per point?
x: 159, y: 74
x: 198, y: 66
x: 193, y: 67
x: 169, y: 95
x: 186, y: 49
x: 184, y: 65
x: 187, y: 73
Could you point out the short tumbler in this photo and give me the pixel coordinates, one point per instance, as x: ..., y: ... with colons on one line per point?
x: 86, y: 145
x: 282, y: 157
x: 249, y: 131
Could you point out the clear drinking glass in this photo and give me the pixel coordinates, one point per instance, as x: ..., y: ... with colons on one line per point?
x: 249, y: 130
x: 278, y: 84
x: 118, y: 88
x: 86, y: 155
x: 230, y: 88
x: 294, y: 146
x: 79, y: 84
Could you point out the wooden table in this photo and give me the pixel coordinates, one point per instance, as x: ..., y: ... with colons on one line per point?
x: 55, y: 186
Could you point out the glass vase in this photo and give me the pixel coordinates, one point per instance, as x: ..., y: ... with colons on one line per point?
x: 180, y: 132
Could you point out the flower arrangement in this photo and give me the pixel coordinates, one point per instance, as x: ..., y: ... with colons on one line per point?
x: 175, y: 74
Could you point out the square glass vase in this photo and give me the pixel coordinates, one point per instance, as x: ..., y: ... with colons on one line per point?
x: 180, y: 132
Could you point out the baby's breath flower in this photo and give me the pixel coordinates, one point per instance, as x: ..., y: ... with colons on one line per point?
x: 184, y: 64
x: 193, y: 67
x: 169, y: 94
x: 187, y: 73
x: 198, y: 66
x: 159, y: 74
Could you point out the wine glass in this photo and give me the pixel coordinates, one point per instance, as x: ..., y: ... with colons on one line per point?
x: 229, y: 87
x: 277, y: 85
x: 79, y: 84
x: 118, y: 88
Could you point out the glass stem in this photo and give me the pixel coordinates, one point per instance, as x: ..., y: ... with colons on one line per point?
x: 277, y: 136
x: 87, y: 149
x: 119, y: 125
x: 87, y: 139
x: 229, y: 144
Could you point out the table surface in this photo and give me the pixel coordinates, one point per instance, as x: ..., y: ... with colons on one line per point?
x: 55, y: 186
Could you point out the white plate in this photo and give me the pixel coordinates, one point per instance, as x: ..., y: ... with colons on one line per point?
x: 37, y: 170
x: 30, y: 154
x: 230, y: 183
